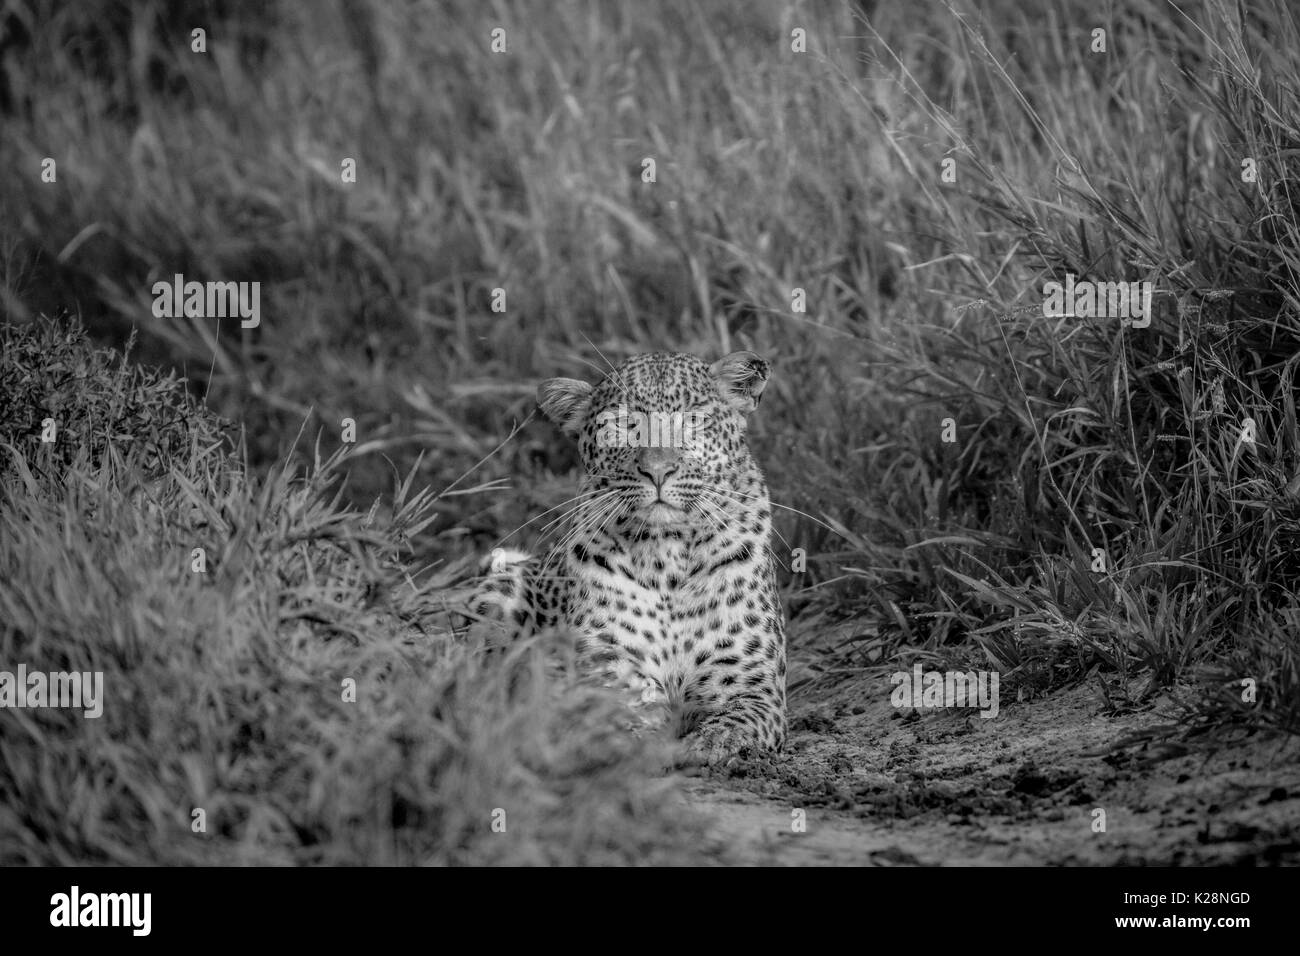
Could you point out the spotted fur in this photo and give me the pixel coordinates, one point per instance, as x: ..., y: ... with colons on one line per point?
x: 665, y: 569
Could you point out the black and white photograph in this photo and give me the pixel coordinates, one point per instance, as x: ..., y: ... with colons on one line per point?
x: 650, y: 433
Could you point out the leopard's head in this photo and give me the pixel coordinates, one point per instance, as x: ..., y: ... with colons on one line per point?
x: 662, y: 436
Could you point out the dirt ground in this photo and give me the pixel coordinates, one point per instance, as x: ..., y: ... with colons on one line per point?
x: 884, y: 786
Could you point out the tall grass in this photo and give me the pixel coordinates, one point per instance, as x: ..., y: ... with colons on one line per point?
x: 229, y: 732
x: 775, y: 170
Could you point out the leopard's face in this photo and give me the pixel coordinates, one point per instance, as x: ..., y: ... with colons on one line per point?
x: 662, y: 436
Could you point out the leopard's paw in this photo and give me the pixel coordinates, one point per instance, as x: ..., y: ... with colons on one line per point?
x: 717, y: 747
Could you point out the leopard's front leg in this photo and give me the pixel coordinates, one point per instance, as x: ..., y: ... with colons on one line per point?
x: 614, y: 654
x: 752, y: 720
x: 737, y: 664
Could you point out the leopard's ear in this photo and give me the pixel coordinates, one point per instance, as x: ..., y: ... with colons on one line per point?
x: 565, y: 401
x: 741, y: 378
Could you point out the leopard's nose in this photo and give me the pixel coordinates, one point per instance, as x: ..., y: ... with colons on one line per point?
x: 657, y: 464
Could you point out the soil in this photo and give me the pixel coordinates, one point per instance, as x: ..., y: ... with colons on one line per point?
x: 877, y: 785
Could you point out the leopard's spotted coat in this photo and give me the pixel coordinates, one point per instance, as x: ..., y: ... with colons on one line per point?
x: 666, y: 569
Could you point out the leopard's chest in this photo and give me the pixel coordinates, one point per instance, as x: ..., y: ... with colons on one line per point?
x: 670, y: 593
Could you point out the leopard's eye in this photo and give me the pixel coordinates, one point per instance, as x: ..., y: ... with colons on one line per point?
x: 612, y: 427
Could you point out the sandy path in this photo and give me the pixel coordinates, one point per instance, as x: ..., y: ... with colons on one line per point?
x: 879, y: 786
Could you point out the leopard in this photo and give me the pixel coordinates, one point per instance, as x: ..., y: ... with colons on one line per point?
x: 665, y: 571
